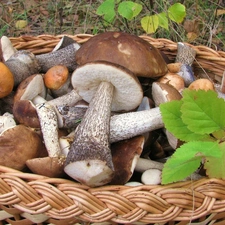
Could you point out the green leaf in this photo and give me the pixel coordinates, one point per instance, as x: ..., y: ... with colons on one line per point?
x: 107, y: 9
x: 129, y: 9
x: 150, y: 23
x: 203, y: 111
x: 187, y: 159
x: 171, y: 116
x: 215, y: 167
x: 163, y: 20
x: 177, y: 12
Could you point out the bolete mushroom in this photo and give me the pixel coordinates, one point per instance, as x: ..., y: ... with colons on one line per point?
x: 18, y: 144
x: 130, y: 51
x: 102, y: 85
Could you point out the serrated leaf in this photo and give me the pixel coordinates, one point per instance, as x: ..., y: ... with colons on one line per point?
x: 177, y: 12
x: 187, y: 159
x: 107, y: 9
x: 215, y: 167
x: 171, y: 116
x: 163, y: 20
x: 129, y: 9
x: 203, y: 111
x: 150, y: 23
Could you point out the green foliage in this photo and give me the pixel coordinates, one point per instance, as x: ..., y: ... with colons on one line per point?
x: 129, y: 10
x: 197, y: 119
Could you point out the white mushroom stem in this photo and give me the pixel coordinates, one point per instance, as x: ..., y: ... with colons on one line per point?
x: 6, y: 122
x: 127, y: 125
x: 7, y: 48
x: 146, y: 164
x: 49, y: 128
x: 63, y: 102
x: 89, y: 159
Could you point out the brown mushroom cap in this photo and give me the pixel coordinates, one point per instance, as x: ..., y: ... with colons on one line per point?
x: 30, y: 87
x: 17, y: 145
x: 25, y: 113
x: 127, y: 50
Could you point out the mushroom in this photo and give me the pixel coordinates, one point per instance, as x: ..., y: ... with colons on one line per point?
x: 102, y: 85
x: 202, y: 84
x: 18, y: 144
x: 22, y: 64
x: 6, y: 80
x: 64, y: 56
x: 186, y: 56
x: 164, y: 93
x: 130, y: 51
x: 57, y: 79
x: 31, y: 92
x: 7, y: 48
x: 64, y: 42
x: 125, y: 155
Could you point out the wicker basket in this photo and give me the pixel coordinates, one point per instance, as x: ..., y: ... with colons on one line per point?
x: 33, y: 199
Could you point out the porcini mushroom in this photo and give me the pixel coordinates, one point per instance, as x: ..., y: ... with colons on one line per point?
x: 130, y: 51
x: 18, y: 144
x: 89, y: 159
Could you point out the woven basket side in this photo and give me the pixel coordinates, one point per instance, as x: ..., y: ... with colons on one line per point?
x: 62, y: 199
x: 208, y: 62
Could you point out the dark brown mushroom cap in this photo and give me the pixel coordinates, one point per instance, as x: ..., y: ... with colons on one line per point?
x: 127, y: 50
x: 25, y: 113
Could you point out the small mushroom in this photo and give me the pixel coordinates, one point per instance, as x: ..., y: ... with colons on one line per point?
x: 18, y: 144
x: 57, y: 79
x: 186, y: 56
x: 164, y: 93
x: 202, y: 84
x: 7, y: 48
x: 6, y: 80
x: 125, y: 155
x: 89, y: 160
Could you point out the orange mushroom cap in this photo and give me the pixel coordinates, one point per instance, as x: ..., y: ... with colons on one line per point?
x: 56, y: 76
x: 6, y: 80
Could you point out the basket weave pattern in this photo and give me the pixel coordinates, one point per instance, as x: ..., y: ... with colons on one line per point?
x: 24, y: 196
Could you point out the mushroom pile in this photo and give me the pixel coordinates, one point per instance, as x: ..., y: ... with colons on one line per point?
x: 85, y: 111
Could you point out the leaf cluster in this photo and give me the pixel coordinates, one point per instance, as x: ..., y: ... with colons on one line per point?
x: 197, y: 120
x: 129, y: 10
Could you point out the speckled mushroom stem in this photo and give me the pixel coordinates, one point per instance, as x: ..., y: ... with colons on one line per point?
x: 64, y: 56
x: 90, y: 153
x: 127, y: 125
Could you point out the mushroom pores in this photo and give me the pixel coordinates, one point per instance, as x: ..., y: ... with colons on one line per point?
x: 127, y: 94
x: 130, y: 51
x: 6, y: 80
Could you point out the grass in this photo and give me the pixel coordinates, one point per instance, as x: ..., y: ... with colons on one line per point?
x: 73, y: 17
